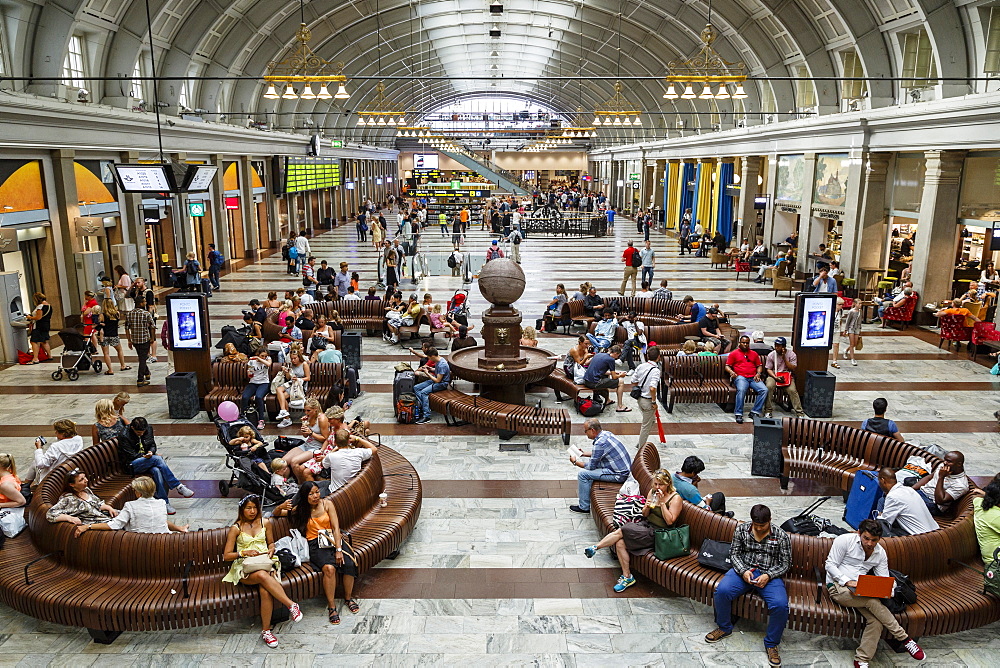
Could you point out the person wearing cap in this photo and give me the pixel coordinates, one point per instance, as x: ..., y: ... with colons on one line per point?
x: 494, y: 251
x: 779, y: 362
x: 709, y: 328
x: 342, y: 280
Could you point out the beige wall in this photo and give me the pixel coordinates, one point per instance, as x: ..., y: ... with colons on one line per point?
x: 444, y: 162
x: 542, y: 160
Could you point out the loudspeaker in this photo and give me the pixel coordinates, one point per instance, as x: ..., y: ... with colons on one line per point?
x: 817, y: 400
x: 766, y: 459
x: 183, y: 401
x: 350, y: 343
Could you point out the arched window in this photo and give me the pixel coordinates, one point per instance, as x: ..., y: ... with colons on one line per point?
x: 494, y: 122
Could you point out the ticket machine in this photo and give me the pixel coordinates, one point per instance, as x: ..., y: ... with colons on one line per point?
x: 13, y: 318
x: 125, y: 255
x: 90, y: 269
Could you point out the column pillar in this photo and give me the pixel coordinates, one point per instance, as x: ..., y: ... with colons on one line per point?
x: 937, y: 226
x: 865, y: 221
x: 809, y: 237
x: 251, y: 225
x: 659, y: 189
x: 745, y: 213
x: 67, y: 209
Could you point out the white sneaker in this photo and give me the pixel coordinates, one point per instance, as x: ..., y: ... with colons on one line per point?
x: 394, y: 340
x: 768, y: 415
x: 287, y: 422
x: 854, y: 362
x: 282, y: 414
x: 170, y: 509
x: 184, y: 491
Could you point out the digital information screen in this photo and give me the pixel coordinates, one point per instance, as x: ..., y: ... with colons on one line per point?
x: 311, y: 174
x: 441, y: 192
x: 815, y: 326
x: 144, y: 178
x: 425, y: 161
x: 186, y: 322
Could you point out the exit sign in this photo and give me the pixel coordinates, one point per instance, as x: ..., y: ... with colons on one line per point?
x: 633, y: 177
x: 337, y: 143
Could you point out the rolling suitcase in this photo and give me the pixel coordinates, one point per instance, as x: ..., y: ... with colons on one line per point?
x: 402, y: 383
x: 863, y: 498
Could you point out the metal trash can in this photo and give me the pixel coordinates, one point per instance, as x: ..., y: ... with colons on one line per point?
x: 350, y: 346
x: 817, y: 400
x: 767, y: 459
x: 183, y: 401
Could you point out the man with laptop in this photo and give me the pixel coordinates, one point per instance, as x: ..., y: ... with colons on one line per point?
x: 852, y: 557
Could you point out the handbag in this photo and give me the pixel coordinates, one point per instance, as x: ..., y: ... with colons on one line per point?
x: 714, y: 554
x: 672, y: 542
x: 784, y: 378
x: 628, y: 508
x: 297, y: 545
x: 324, y: 540
x: 261, y: 562
x: 860, y: 345
x: 278, y: 381
x: 996, y: 369
x: 12, y: 521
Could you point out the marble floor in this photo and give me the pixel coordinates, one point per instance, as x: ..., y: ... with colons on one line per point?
x: 494, y: 570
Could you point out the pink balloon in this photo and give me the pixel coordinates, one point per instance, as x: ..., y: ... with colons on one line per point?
x: 229, y: 411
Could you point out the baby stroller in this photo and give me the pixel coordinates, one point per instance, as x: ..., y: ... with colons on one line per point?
x: 77, y: 355
x: 246, y: 474
x: 458, y: 307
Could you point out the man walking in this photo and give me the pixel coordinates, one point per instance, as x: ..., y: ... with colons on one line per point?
x: 302, y: 246
x: 647, y: 379
x: 609, y: 461
x: 684, y: 235
x: 632, y: 261
x: 761, y: 554
x: 648, y: 257
x: 744, y: 367
x: 852, y: 555
x: 215, y: 262
x: 342, y: 280
x: 780, y: 366
x: 141, y: 331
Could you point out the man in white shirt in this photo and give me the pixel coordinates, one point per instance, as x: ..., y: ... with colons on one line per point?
x: 345, y: 461
x: 904, y: 512
x: 852, y: 555
x: 647, y: 379
x: 302, y: 246
x: 947, y: 484
x: 144, y: 515
x: 351, y: 295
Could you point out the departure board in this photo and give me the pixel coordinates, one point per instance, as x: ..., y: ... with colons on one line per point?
x: 303, y: 174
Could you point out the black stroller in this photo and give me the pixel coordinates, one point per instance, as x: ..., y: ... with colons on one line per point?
x: 246, y: 474
x: 78, y: 355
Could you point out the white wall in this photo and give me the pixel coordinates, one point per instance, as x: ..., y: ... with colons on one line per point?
x: 444, y: 162
x: 542, y: 160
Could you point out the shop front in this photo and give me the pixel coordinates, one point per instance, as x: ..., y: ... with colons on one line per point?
x: 788, y: 195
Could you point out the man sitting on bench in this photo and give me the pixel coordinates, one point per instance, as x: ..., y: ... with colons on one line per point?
x: 604, y: 332
x: 602, y: 376
x: 437, y: 375
x: 593, y: 303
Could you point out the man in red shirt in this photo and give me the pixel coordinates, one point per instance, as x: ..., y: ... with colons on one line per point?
x: 631, y: 268
x: 744, y: 367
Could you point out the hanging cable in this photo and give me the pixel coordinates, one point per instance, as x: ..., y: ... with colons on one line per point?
x: 156, y: 88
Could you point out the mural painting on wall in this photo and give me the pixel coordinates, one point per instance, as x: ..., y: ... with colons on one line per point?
x: 830, y: 187
x: 980, y: 194
x: 791, y: 178
x: 21, y: 186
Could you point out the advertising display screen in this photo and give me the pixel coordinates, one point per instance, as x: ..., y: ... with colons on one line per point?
x: 144, y: 178
x: 303, y: 174
x: 188, y: 321
x: 425, y: 161
x: 815, y: 314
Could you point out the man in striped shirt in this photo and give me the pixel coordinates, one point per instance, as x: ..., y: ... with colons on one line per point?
x: 141, y: 330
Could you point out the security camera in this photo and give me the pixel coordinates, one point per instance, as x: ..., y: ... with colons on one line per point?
x: 83, y: 95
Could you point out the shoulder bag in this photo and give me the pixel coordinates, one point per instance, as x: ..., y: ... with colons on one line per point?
x: 261, y: 562
x: 714, y: 554
x: 672, y: 542
x: 636, y: 392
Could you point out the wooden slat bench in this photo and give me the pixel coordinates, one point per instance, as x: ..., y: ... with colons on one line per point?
x: 458, y: 407
x: 326, y: 384
x: 366, y: 314
x: 650, y: 311
x: 950, y: 599
x: 113, y: 581
x: 695, y: 379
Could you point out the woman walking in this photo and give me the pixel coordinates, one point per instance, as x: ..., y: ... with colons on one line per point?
x: 108, y: 337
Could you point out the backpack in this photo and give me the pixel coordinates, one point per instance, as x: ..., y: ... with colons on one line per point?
x: 293, y: 253
x: 452, y: 262
x: 406, y: 409
x: 906, y: 593
x: 636, y: 260
x: 517, y: 239
x: 589, y: 407
x: 189, y: 268
x: 218, y: 259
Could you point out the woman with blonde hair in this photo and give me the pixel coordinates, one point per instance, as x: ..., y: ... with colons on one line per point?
x: 285, y: 313
x: 109, y: 422
x: 689, y: 348
x: 529, y: 336
x: 661, y: 510
x: 144, y: 515
x: 120, y: 401
x: 107, y: 335
x: 10, y: 484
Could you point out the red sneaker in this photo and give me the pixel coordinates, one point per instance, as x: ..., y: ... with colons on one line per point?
x: 911, y: 646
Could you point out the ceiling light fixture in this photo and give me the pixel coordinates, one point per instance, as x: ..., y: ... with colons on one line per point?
x: 304, y: 66
x: 706, y: 67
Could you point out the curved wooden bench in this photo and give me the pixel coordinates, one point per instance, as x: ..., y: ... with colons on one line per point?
x: 459, y: 408
x: 119, y: 581
x: 326, y: 384
x: 366, y: 314
x: 651, y: 311
x: 695, y: 379
x: 949, y: 599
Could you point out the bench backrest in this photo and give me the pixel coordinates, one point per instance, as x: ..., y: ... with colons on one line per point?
x: 874, y: 448
x: 668, y: 335
x: 129, y: 554
x: 688, y: 367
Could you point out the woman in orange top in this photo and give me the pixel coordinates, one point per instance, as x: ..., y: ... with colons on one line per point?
x: 10, y: 484
x: 311, y: 514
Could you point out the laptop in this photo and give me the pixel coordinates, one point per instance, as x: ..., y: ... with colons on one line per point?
x: 874, y: 586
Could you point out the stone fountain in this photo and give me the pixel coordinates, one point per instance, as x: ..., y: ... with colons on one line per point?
x: 502, y: 367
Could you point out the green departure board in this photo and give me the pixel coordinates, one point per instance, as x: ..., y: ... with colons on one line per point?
x: 311, y: 174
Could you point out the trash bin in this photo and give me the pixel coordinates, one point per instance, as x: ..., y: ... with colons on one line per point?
x: 766, y: 459
x: 350, y: 346
x: 817, y: 401
x: 183, y: 402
